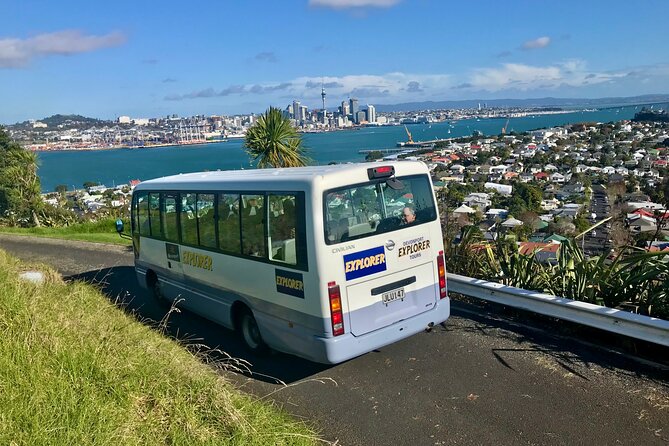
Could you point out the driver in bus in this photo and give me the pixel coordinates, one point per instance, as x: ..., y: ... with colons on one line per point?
x: 408, y: 215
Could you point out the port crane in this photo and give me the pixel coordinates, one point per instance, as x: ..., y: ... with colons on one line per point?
x: 505, y: 126
x: 410, y: 140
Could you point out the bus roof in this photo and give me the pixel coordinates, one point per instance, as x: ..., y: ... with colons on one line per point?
x: 339, y: 173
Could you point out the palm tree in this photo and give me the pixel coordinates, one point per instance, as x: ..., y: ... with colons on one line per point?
x: 273, y: 142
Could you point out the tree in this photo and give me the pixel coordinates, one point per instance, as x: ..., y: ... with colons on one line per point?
x: 88, y: 184
x: 19, y: 184
x: 273, y: 142
x: 61, y: 189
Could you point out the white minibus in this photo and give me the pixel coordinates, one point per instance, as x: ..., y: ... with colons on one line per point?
x: 326, y: 263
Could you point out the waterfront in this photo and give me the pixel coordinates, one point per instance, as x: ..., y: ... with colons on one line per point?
x: 118, y: 166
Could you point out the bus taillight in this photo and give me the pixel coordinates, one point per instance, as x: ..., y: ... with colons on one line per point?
x: 336, y: 313
x: 442, y: 275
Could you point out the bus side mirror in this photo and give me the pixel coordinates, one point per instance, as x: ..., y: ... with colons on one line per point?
x: 119, y: 226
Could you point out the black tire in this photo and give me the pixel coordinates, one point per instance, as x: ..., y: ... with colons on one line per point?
x: 156, y: 291
x: 250, y: 333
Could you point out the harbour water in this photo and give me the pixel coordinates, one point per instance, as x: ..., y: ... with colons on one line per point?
x: 119, y: 166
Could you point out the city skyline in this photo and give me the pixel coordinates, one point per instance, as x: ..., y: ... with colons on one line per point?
x: 128, y: 59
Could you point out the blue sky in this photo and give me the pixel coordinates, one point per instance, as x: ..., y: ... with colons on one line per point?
x: 145, y: 59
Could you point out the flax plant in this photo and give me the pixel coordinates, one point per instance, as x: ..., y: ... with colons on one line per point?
x: 633, y: 276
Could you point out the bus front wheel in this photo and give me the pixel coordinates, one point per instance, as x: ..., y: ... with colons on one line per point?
x: 250, y: 333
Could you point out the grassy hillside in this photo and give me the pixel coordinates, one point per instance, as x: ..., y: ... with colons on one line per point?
x: 75, y: 369
x: 102, y: 231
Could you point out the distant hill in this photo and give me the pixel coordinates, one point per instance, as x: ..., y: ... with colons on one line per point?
x: 56, y: 120
x: 525, y: 103
x: 66, y: 121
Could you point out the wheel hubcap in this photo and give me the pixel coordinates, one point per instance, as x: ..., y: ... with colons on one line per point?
x: 251, y: 333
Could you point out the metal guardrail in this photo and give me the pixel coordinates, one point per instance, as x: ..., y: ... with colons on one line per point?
x: 616, y: 321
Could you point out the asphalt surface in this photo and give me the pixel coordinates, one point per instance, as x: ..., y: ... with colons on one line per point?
x: 597, y: 240
x: 484, y: 378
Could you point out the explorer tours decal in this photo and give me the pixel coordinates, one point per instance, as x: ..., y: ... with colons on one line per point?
x: 413, y: 248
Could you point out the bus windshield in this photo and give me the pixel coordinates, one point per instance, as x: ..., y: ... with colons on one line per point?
x: 366, y: 209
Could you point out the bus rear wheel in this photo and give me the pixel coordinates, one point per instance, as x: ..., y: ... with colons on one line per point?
x: 156, y: 290
x: 250, y: 333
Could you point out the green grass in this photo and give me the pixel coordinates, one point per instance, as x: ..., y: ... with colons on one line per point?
x: 103, y: 231
x: 75, y: 369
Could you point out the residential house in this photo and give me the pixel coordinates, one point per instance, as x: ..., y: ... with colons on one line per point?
x: 557, y: 177
x: 573, y: 189
x: 543, y: 252
x: 549, y: 205
x: 457, y: 168
x: 569, y: 211
x: 500, y: 169
x: 581, y: 168
x: 493, y: 214
x: 478, y: 200
x: 648, y: 205
x: 503, y: 189
x: 526, y: 177
x: 642, y: 223
x: 541, y: 176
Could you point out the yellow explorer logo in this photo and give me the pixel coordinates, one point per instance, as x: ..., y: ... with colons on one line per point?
x: 197, y: 260
x: 364, y: 263
x: 289, y: 282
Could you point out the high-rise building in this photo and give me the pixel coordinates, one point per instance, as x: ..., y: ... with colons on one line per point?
x: 371, y: 113
x: 302, y: 113
x: 361, y: 116
x: 296, y: 110
x: 354, y: 109
x: 344, y: 109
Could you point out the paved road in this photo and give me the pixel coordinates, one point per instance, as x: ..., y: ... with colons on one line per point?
x: 597, y: 241
x: 485, y: 378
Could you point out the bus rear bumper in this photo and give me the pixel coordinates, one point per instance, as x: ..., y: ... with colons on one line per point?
x: 341, y: 348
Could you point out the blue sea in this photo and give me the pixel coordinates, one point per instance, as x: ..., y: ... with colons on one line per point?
x: 118, y: 166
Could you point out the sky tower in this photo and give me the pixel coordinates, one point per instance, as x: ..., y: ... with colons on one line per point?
x: 323, y: 99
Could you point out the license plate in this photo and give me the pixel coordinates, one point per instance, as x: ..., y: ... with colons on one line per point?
x: 392, y: 295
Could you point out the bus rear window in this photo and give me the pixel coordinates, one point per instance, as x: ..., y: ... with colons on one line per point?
x: 374, y: 208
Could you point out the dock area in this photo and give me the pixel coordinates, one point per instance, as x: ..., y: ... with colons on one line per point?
x: 422, y: 144
x: 384, y: 151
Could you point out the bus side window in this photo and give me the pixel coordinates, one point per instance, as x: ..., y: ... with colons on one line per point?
x: 205, y: 220
x: 154, y: 214
x: 143, y: 214
x: 188, y: 219
x: 282, y: 229
x: 228, y: 224
x: 169, y: 214
x: 253, y: 226
x: 133, y: 215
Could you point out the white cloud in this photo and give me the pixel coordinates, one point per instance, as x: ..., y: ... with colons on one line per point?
x: 511, y: 78
x: 366, y: 87
x: 541, y: 42
x: 573, y: 73
x: 345, y: 4
x: 15, y: 53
